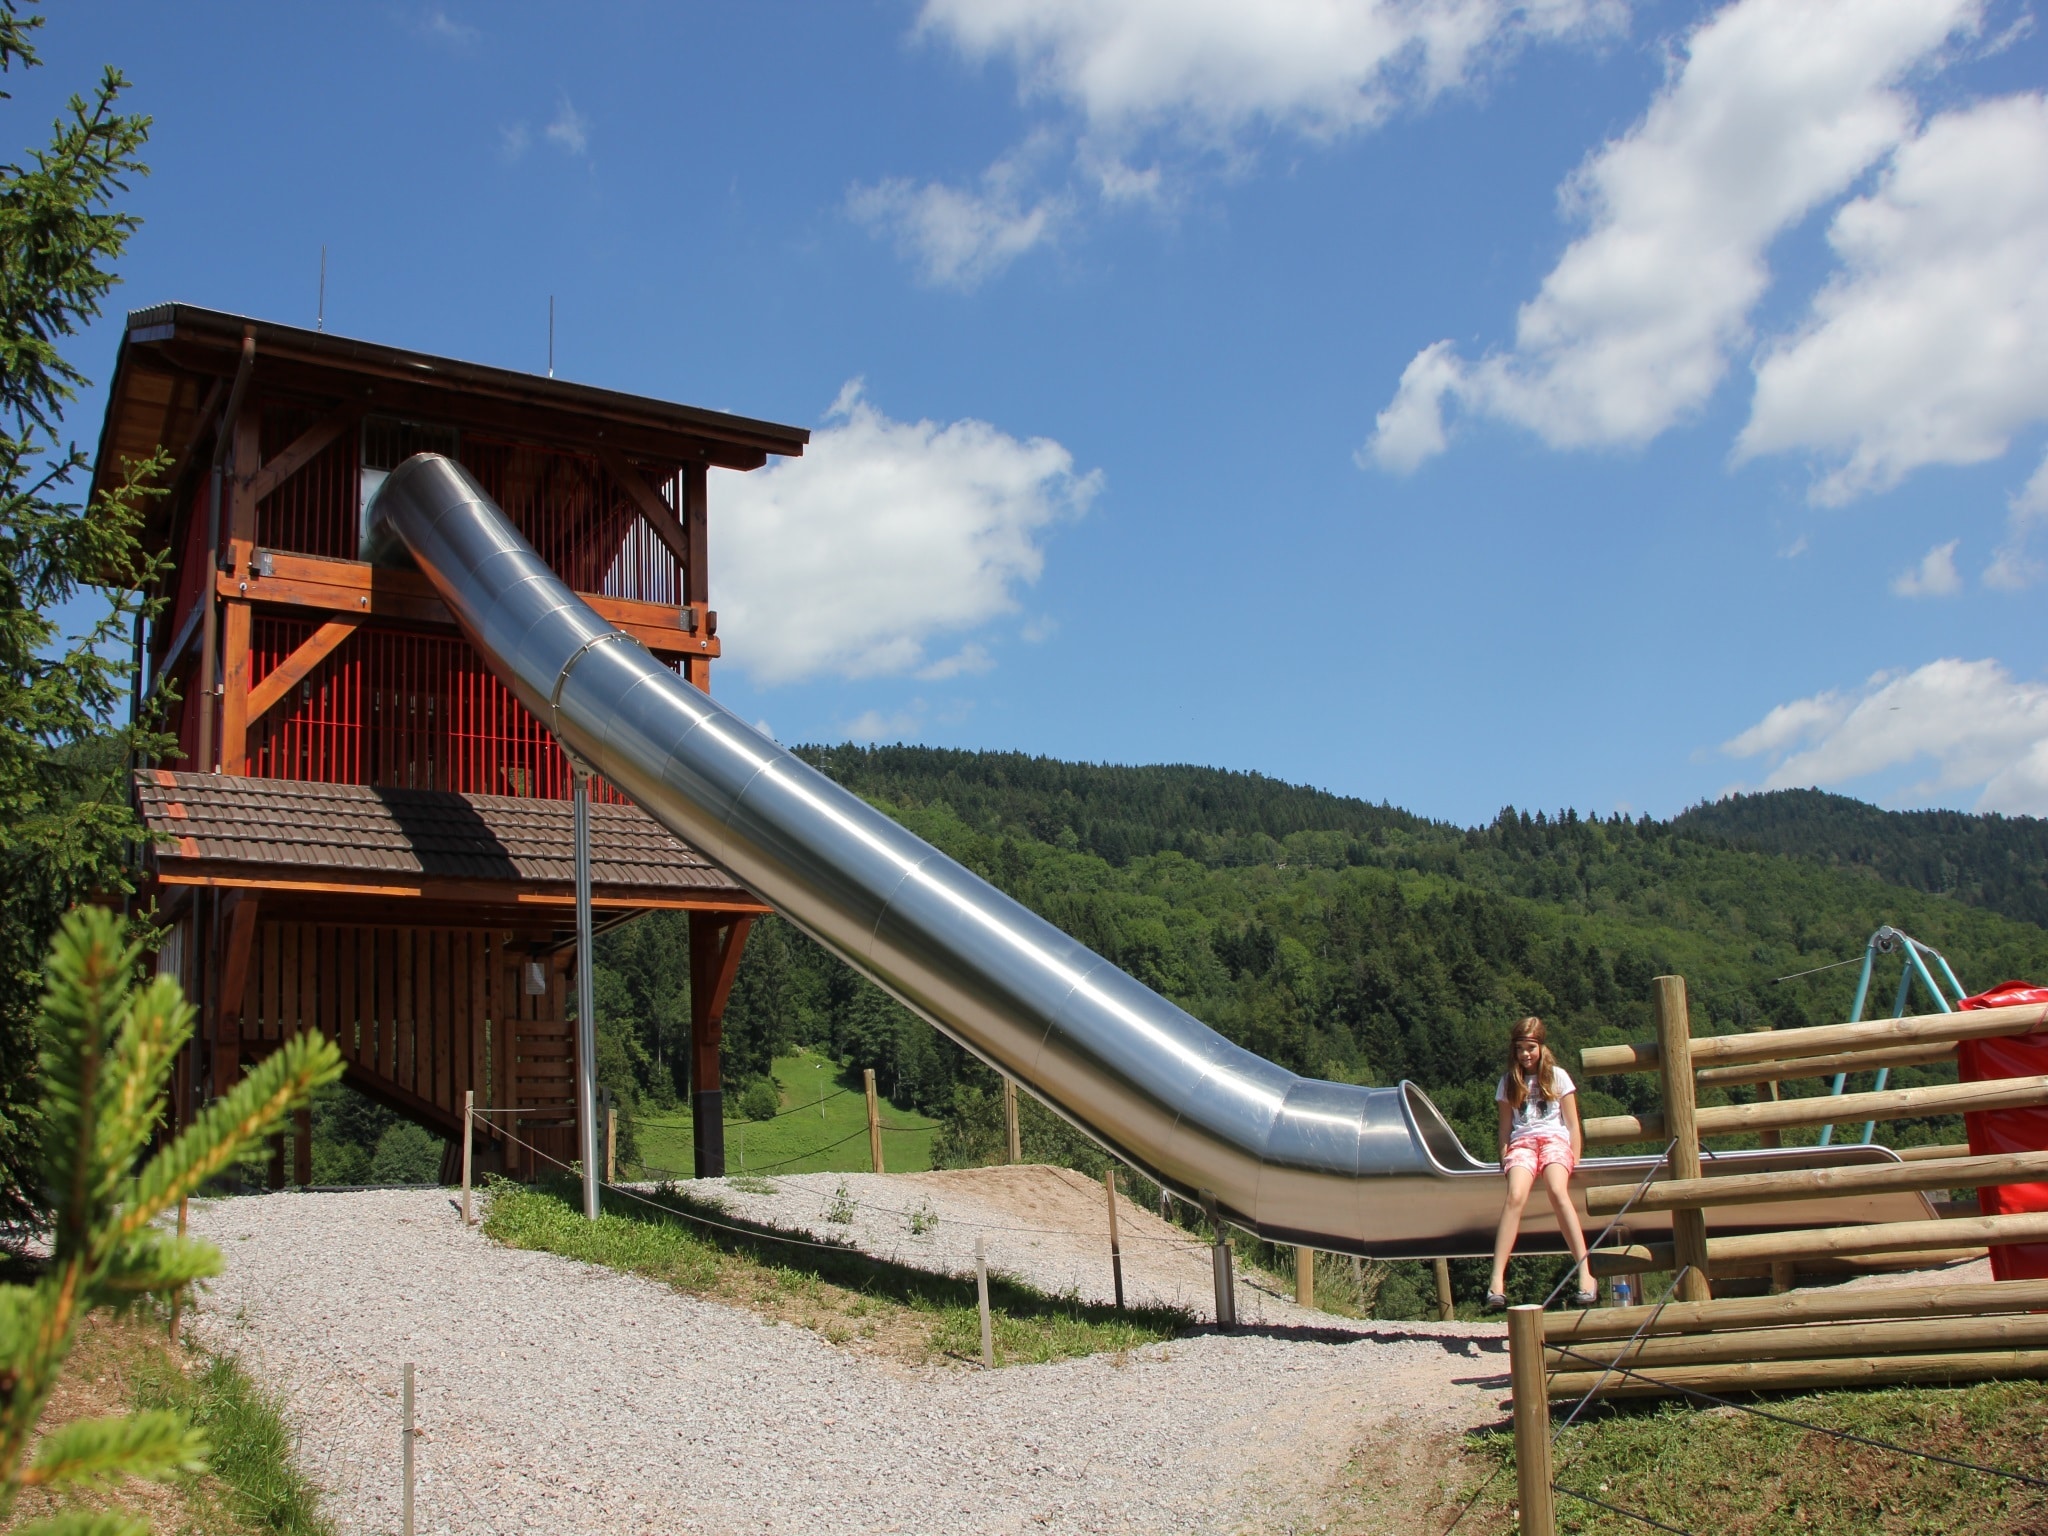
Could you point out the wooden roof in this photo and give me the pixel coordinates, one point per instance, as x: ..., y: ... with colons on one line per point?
x: 173, y: 355
x: 343, y: 839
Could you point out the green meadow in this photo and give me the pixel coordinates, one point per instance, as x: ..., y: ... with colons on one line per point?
x: 822, y: 1128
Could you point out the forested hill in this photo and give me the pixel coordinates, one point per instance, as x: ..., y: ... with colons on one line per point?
x: 2000, y: 862
x: 1338, y: 938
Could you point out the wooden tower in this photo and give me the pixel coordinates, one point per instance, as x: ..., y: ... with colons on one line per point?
x: 362, y: 831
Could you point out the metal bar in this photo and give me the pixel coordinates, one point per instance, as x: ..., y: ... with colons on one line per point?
x: 586, y: 1004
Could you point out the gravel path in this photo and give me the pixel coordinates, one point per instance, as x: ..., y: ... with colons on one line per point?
x: 560, y: 1397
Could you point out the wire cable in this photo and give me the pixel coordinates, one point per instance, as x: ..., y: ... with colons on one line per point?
x: 1655, y: 1524
x: 1649, y: 1177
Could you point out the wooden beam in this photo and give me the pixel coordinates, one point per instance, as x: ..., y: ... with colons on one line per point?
x: 305, y: 448
x: 1814, y: 1183
x: 486, y: 893
x: 1807, y: 1341
x: 1789, y: 1375
x: 236, y: 946
x: 1824, y: 1039
x: 1832, y: 1305
x: 1875, y: 1237
x: 1674, y: 1041
x: 293, y: 670
x: 1832, y: 1109
x: 661, y: 517
x: 234, y: 698
x: 694, y: 483
x: 308, y: 582
x: 1826, y: 1066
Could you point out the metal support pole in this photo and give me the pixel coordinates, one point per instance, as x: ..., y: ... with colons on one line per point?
x: 586, y: 1004
x: 1219, y: 1264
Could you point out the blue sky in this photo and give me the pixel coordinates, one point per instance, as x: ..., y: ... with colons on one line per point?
x: 1454, y: 402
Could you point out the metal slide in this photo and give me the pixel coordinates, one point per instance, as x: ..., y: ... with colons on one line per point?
x: 1375, y: 1171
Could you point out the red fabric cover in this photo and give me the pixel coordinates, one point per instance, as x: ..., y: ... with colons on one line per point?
x: 1994, y: 1131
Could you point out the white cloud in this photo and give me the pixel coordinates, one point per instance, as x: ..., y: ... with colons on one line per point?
x: 442, y: 27
x: 883, y: 538
x: 956, y: 236
x: 875, y: 725
x: 512, y: 141
x: 1772, y: 107
x: 1934, y: 576
x: 1967, y: 725
x: 2010, y: 567
x: 1208, y: 69
x: 569, y: 129
x: 968, y: 661
x: 1931, y: 345
x: 1197, y: 76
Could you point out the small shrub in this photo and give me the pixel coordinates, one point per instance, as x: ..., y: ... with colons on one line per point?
x: 406, y: 1154
x: 842, y: 1207
x: 761, y: 1101
x: 923, y: 1218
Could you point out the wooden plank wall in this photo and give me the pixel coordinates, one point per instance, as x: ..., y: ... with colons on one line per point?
x: 425, y: 1015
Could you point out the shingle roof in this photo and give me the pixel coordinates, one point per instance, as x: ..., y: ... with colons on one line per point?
x: 282, y: 826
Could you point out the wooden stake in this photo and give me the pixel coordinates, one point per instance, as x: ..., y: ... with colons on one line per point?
x: 1674, y: 1047
x: 611, y: 1139
x: 1116, y: 1252
x: 468, y: 1150
x: 178, y: 1296
x: 988, y: 1345
x: 1304, y: 1277
x: 1445, y: 1308
x: 1532, y: 1421
x: 1012, y: 1131
x: 405, y: 1506
x: 874, y: 1120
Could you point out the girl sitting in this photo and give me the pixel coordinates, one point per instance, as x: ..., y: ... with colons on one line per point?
x: 1539, y: 1139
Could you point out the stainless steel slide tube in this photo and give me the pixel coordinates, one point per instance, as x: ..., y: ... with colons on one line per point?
x: 1361, y: 1170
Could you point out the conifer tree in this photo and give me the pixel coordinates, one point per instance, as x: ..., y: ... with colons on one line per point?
x: 108, y: 1047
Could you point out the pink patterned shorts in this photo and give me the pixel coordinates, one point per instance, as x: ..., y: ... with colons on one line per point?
x: 1537, y: 1153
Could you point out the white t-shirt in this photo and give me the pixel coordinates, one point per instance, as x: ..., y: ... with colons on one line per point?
x: 1539, y: 1116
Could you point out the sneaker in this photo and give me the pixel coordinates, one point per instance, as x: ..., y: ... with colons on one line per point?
x: 1496, y: 1302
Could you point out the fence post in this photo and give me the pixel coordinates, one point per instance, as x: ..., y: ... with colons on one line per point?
x: 1304, y: 1277
x: 874, y: 1121
x: 1445, y: 1307
x: 988, y: 1345
x: 1116, y: 1252
x: 178, y: 1296
x: 405, y: 1498
x: 1532, y: 1421
x: 1674, y: 1057
x: 611, y: 1138
x: 468, y: 1149
x: 1013, y: 1132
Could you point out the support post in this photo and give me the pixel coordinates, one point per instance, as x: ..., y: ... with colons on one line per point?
x: 716, y: 942
x: 468, y: 1150
x: 1012, y: 1131
x: 1116, y: 1251
x: 1219, y: 1265
x: 867, y: 1078
x: 1532, y: 1422
x: 1674, y: 1058
x: 1304, y: 1277
x: 988, y: 1345
x: 586, y: 1003
x: 1446, y: 1309
x: 611, y: 1138
x: 405, y: 1498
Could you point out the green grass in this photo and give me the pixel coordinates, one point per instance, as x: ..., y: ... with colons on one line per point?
x: 840, y: 1293
x: 251, y: 1465
x: 792, y: 1143
x: 1734, y: 1474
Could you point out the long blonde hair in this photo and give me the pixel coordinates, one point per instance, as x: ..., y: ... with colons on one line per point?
x: 1530, y: 1028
